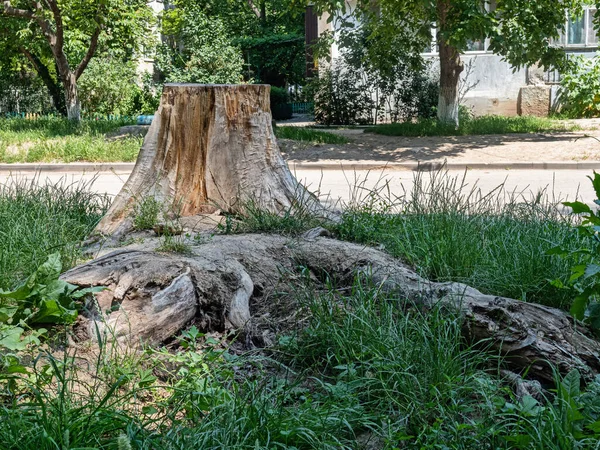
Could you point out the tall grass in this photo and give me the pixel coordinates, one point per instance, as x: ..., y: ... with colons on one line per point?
x: 61, y: 140
x: 451, y: 231
x: 308, y: 135
x: 37, y: 219
x: 472, y: 126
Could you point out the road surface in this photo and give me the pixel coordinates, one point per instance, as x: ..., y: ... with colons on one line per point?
x: 346, y: 186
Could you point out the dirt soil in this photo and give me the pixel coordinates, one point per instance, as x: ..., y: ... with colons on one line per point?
x: 565, y: 146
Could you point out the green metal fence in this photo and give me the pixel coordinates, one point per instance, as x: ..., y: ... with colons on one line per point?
x: 303, y: 108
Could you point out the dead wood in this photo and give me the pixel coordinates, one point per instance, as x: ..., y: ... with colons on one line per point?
x: 228, y: 279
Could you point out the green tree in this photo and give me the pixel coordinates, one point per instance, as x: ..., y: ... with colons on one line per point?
x: 198, y: 49
x: 268, y: 34
x: 60, y: 37
x: 522, y: 31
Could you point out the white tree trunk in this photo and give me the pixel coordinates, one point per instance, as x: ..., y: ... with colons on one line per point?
x: 72, y: 99
x: 209, y: 147
x: 448, y: 105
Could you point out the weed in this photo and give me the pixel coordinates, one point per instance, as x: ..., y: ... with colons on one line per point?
x: 450, y: 231
x: 146, y: 213
x: 308, y: 135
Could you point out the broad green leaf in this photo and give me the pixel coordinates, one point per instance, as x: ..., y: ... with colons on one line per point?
x: 570, y: 386
x: 591, y: 270
x: 578, y: 207
x: 10, y: 338
x: 577, y: 272
x: 596, y: 183
x: 558, y: 250
x: 50, y: 270
x: 593, y: 315
x: 579, y: 306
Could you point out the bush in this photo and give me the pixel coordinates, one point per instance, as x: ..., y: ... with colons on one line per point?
x: 352, y: 92
x: 108, y: 86
x: 579, y: 94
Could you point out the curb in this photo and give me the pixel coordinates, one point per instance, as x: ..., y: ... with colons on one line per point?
x: 328, y: 165
x: 440, y: 165
x: 72, y: 167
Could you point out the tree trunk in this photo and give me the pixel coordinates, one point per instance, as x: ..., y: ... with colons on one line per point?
x: 451, y: 67
x: 210, y: 147
x: 72, y: 98
x: 54, y: 88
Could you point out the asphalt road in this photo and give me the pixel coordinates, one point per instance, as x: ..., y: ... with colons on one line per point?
x: 347, y: 186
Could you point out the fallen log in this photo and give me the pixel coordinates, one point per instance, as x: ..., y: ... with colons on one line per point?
x: 224, y: 281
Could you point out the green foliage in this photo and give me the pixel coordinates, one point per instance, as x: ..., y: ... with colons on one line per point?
x: 360, y: 89
x: 199, y: 49
x: 585, y: 275
x: 109, y: 86
x: 146, y: 213
x: 41, y: 299
x: 580, y: 88
x: 125, y: 25
x: 475, y: 125
x: 308, y: 135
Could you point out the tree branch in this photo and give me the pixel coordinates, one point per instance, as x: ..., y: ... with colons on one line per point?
x: 254, y: 8
x: 90, y: 53
x: 10, y: 10
x: 59, y: 23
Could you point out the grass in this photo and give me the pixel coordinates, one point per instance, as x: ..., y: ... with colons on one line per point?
x: 368, y: 370
x: 308, y: 135
x: 475, y: 126
x: 450, y: 231
x: 60, y: 140
x: 37, y: 219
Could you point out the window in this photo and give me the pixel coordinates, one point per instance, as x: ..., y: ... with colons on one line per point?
x: 579, y: 30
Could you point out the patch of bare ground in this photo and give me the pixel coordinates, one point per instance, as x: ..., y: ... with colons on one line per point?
x: 534, y: 147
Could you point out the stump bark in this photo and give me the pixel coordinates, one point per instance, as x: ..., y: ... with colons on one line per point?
x: 210, y: 147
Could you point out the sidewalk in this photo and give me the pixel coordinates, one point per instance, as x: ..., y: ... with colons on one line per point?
x: 579, y: 150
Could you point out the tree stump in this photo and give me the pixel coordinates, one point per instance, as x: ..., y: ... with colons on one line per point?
x: 210, y: 147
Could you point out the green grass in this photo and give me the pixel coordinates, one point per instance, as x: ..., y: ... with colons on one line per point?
x: 60, y: 140
x: 450, y: 231
x: 37, y: 219
x: 368, y: 370
x: 475, y: 126
x: 308, y: 135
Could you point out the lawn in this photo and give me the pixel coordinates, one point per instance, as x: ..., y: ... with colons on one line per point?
x: 308, y: 135
x: 59, y: 140
x: 365, y: 370
x: 475, y: 126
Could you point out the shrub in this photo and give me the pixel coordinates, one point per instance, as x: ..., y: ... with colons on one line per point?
x: 579, y: 94
x: 373, y: 81
x: 108, y: 86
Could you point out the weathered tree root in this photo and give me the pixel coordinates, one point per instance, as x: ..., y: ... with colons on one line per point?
x: 221, y: 285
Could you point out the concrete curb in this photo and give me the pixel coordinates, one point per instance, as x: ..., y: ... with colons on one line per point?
x: 326, y: 165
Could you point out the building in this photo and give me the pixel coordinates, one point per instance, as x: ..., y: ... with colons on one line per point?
x: 494, y: 86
